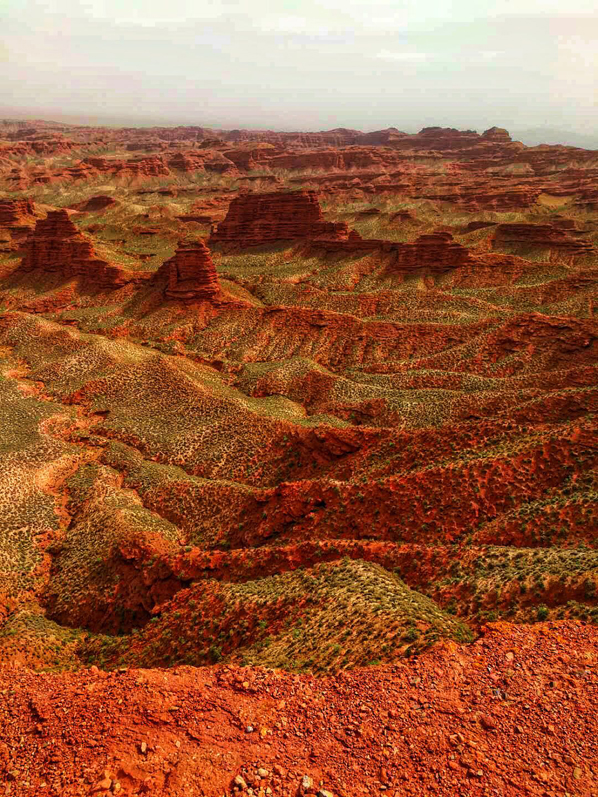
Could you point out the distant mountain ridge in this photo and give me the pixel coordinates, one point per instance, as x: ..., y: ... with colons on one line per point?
x: 531, y: 136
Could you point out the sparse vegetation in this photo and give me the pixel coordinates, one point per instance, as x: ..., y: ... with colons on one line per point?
x: 341, y: 461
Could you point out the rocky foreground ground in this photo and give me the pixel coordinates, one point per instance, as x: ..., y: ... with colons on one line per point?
x: 512, y: 714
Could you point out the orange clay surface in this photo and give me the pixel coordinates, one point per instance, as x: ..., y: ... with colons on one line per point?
x: 509, y: 715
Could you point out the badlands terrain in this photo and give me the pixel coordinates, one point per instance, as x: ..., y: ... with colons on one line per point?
x: 298, y: 453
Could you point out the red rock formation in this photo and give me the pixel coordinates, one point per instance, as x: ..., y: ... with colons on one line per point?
x: 563, y: 223
x: 216, y: 162
x: 255, y: 219
x: 189, y: 161
x: 147, y: 145
x: 478, y: 225
x: 152, y: 166
x: 16, y: 179
x: 250, y: 157
x: 548, y: 158
x: 355, y: 157
x: 497, y: 134
x: 17, y: 214
x: 17, y: 217
x: 190, y: 133
x: 475, y: 195
x: 339, y: 137
x: 24, y: 149
x: 403, y: 217
x: 190, y: 275
x: 436, y: 252
x: 543, y: 236
x: 99, y: 202
x: 382, y: 137
x: 209, y: 143
x: 439, y: 138
x: 56, y: 246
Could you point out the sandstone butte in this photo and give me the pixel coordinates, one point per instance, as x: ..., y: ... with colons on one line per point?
x: 436, y: 252
x: 541, y: 235
x: 255, y: 219
x: 190, y: 275
x: 57, y: 247
x: 298, y: 462
x: 17, y: 217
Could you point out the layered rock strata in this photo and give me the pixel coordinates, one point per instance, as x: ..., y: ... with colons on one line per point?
x: 435, y: 252
x: 17, y: 214
x: 545, y: 236
x: 152, y: 166
x: 190, y: 275
x: 56, y: 246
x: 255, y: 219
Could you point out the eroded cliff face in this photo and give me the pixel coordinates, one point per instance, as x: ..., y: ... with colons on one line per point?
x: 152, y: 166
x: 190, y: 275
x: 56, y: 246
x: 521, y: 237
x: 17, y: 218
x: 255, y: 219
x: 17, y: 214
x: 435, y: 252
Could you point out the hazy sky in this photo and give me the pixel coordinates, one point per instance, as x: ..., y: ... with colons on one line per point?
x: 304, y: 64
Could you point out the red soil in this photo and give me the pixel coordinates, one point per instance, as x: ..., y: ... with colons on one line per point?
x: 509, y: 715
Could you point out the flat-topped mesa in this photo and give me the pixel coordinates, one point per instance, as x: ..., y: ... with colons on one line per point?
x: 382, y: 137
x: 255, y: 219
x: 435, y: 252
x: 497, y: 134
x: 544, y: 236
x: 439, y: 139
x: 339, y: 137
x: 190, y: 275
x: 56, y: 246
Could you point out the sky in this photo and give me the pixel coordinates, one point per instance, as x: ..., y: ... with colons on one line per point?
x: 303, y: 64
